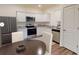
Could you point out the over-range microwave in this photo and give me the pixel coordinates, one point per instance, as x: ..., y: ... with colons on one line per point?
x: 30, y: 19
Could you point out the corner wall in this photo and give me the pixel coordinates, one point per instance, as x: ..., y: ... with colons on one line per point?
x: 10, y: 9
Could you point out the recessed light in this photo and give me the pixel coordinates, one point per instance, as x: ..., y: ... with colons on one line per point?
x: 39, y: 5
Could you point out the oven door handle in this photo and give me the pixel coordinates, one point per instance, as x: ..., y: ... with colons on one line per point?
x: 31, y: 28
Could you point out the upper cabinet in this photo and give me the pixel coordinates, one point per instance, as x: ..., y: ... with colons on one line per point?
x: 21, y: 16
x: 56, y: 16
x: 42, y: 17
x: 39, y: 17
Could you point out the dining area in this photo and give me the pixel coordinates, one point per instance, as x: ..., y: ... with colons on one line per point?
x: 38, y: 45
x: 32, y: 47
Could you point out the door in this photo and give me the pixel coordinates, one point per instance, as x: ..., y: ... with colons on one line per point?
x: 77, y: 25
x: 69, y: 29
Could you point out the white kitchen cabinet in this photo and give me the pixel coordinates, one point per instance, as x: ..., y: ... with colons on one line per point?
x: 42, y: 17
x: 46, y: 17
x: 55, y: 17
x: 21, y: 16
x: 39, y: 17
x: 17, y: 36
x: 70, y: 28
x: 24, y: 30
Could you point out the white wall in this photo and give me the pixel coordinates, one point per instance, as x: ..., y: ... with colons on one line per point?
x: 10, y: 10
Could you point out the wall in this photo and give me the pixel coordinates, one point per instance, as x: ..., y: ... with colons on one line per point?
x: 10, y: 10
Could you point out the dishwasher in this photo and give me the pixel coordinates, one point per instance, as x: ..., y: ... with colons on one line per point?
x: 56, y: 35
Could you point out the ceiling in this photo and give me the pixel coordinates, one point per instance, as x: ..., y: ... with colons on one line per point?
x: 35, y: 6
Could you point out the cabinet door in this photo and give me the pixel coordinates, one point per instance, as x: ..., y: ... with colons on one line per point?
x: 69, y: 30
x: 38, y: 16
x: 42, y: 17
x: 56, y: 36
x: 6, y: 38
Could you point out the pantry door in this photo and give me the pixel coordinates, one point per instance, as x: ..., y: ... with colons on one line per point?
x: 69, y: 29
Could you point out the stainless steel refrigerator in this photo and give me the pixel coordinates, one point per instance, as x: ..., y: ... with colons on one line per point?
x: 7, y: 29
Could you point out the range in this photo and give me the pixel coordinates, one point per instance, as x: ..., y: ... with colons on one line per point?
x: 31, y: 29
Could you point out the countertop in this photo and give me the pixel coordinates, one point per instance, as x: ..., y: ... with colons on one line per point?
x: 56, y: 30
x: 53, y: 28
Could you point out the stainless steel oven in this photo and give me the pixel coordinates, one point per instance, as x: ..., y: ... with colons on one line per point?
x: 31, y: 30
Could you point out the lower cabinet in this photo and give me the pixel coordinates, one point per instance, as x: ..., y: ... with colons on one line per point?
x: 6, y: 38
x: 56, y: 35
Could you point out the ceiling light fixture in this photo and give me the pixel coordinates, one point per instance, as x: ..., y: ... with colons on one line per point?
x: 39, y: 5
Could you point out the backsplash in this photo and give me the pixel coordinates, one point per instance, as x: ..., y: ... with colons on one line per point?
x: 42, y: 23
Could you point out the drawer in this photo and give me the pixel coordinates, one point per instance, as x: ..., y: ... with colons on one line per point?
x: 6, y: 38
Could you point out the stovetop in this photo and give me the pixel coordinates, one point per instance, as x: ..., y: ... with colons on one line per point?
x: 29, y: 26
